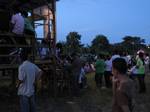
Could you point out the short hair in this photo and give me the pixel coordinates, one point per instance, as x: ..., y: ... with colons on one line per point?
x: 147, y: 54
x: 141, y: 55
x: 115, y: 52
x: 24, y: 13
x: 120, y: 65
x: 24, y: 54
x: 73, y: 54
x: 16, y: 9
x: 100, y: 55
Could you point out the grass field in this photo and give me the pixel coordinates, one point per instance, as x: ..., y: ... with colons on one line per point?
x: 92, y: 99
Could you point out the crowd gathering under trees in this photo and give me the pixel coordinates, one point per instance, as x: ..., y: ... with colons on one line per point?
x: 120, y: 67
x: 122, y: 72
x: 120, y: 64
x: 123, y: 66
x: 100, y: 43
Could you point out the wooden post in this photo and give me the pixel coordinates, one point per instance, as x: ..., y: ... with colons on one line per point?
x: 54, y: 44
x: 54, y: 23
x: 33, y: 40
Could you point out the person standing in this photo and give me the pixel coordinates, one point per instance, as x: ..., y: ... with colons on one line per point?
x: 100, y: 69
x: 28, y: 27
x: 107, y: 73
x: 123, y: 87
x: 76, y: 70
x: 28, y: 74
x: 17, y: 22
x: 124, y: 56
x: 141, y: 72
x: 115, y: 55
x: 17, y: 26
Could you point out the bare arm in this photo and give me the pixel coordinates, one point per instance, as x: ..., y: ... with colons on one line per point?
x: 18, y: 83
x: 114, y: 81
x: 39, y: 75
x: 123, y: 99
x: 21, y: 76
x: 38, y: 81
x: 125, y: 108
x: 38, y: 78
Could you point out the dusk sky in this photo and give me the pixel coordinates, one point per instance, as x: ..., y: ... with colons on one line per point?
x: 113, y: 18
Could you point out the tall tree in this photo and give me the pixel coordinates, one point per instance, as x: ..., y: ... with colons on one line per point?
x: 100, y: 44
x: 132, y: 44
x: 133, y: 40
x: 73, y: 42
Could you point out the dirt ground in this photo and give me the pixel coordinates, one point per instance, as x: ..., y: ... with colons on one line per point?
x: 92, y: 99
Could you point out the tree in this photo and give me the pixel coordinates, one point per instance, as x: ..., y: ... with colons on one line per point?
x: 100, y: 44
x: 131, y: 40
x: 86, y: 49
x: 132, y: 44
x: 73, y: 42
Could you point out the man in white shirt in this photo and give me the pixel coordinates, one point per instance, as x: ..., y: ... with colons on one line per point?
x: 29, y: 73
x: 114, y: 56
x: 124, y: 56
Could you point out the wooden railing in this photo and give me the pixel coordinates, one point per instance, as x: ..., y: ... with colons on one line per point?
x: 34, y: 46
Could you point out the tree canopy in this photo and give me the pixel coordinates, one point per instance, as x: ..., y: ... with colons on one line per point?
x: 101, y: 44
x: 73, y: 42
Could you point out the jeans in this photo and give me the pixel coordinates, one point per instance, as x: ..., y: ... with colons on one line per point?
x: 27, y: 104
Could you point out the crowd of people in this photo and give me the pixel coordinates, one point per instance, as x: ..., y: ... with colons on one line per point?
x: 102, y: 66
x: 16, y: 23
x: 125, y: 74
x: 120, y: 71
x: 20, y: 24
x: 138, y: 67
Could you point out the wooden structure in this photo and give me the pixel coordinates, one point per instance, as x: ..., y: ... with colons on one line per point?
x: 7, y: 39
x: 40, y: 10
